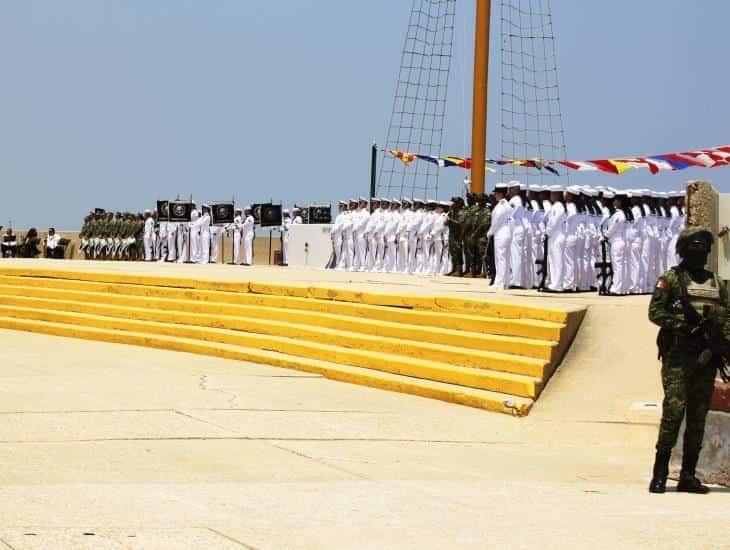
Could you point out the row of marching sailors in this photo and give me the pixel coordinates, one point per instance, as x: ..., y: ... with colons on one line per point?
x: 391, y: 236
x: 552, y: 237
x: 198, y: 241
x: 642, y: 232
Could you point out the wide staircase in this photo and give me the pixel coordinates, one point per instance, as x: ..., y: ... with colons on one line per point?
x: 491, y: 355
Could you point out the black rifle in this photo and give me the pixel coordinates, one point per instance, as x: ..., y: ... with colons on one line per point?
x: 543, y: 263
x: 706, y: 332
x: 606, y: 270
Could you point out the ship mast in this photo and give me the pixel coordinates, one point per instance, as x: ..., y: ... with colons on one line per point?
x: 479, y: 106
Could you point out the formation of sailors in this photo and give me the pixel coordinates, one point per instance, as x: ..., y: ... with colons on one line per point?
x: 392, y: 236
x: 127, y: 236
x: 554, y: 238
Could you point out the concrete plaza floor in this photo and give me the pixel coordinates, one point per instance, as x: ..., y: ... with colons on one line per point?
x: 111, y: 446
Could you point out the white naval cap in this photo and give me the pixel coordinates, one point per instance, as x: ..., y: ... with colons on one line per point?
x: 536, y: 188
x: 589, y: 192
x: 573, y: 190
x: 609, y: 194
x: 556, y: 188
x: 514, y: 183
x: 147, y: 211
x: 247, y: 207
x: 353, y: 201
x: 344, y: 203
x: 285, y: 211
x: 395, y: 201
x: 445, y: 204
x: 500, y: 185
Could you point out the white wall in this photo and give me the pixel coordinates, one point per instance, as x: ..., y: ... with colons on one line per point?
x: 310, y: 245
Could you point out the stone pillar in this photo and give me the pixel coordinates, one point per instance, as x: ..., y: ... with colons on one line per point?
x: 703, y: 210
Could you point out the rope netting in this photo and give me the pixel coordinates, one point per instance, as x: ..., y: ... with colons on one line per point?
x: 419, y: 107
x: 530, y: 115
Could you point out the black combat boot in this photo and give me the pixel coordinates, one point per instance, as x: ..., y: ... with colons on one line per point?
x: 688, y: 483
x: 661, y: 471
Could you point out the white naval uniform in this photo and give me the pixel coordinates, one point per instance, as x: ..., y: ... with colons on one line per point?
x: 234, y: 230
x: 437, y: 243
x: 650, y: 251
x: 390, y: 236
x: 555, y: 231
x: 183, y: 242
x: 414, y: 227
x: 360, y: 222
x: 148, y: 238
x: 517, y: 243
x: 348, y: 243
x: 203, y: 225
x: 161, y: 245
x: 247, y: 235
x: 423, y: 257
x: 636, y: 237
x: 404, y: 221
x: 285, y: 225
x: 380, y: 239
x: 372, y: 236
x: 336, y: 236
x: 571, y: 262
x: 675, y: 226
x: 616, y: 234
x: 194, y: 237
x: 171, y: 241
x: 501, y: 233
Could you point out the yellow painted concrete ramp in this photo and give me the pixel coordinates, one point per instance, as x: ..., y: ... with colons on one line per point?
x: 491, y: 354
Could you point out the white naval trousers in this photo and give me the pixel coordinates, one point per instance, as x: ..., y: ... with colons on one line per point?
x: 437, y: 252
x: 361, y: 247
x: 248, y: 248
x: 204, y: 250
x: 413, y: 245
x: 236, y: 246
x: 337, y: 249
x: 148, y: 242
x: 171, y: 244
x: 517, y: 257
x: 620, y: 258
x: 570, y: 263
x: 402, y: 258
x: 423, y: 256
x: 502, y: 257
x: 556, y: 261
x: 634, y: 265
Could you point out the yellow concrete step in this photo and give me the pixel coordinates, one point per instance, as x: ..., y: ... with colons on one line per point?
x: 492, y: 308
x: 451, y: 354
x: 483, y: 399
x: 487, y: 379
x: 529, y: 347
x: 526, y: 328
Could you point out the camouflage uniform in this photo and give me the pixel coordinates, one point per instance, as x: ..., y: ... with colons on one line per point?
x: 469, y: 223
x: 688, y: 385
x: 481, y: 227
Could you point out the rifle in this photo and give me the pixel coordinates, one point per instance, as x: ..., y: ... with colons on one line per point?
x: 606, y: 270
x: 708, y: 335
x: 543, y: 263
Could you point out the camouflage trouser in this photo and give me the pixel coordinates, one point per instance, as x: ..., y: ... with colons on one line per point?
x: 481, y: 254
x: 469, y: 253
x: 456, y: 252
x: 687, y: 389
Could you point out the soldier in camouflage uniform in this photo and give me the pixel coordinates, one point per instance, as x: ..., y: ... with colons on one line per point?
x: 469, y: 223
x: 688, y: 380
x: 454, y: 223
x: 481, y: 226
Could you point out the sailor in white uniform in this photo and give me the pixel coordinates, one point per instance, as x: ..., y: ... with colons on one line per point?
x: 555, y: 233
x: 501, y: 234
x: 148, y: 235
x: 360, y: 223
x: 404, y: 235
x: 248, y: 228
x: 336, y: 233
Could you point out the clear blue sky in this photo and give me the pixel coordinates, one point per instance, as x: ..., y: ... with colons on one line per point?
x: 116, y: 103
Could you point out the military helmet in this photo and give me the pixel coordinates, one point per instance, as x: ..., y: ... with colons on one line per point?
x: 693, y: 235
